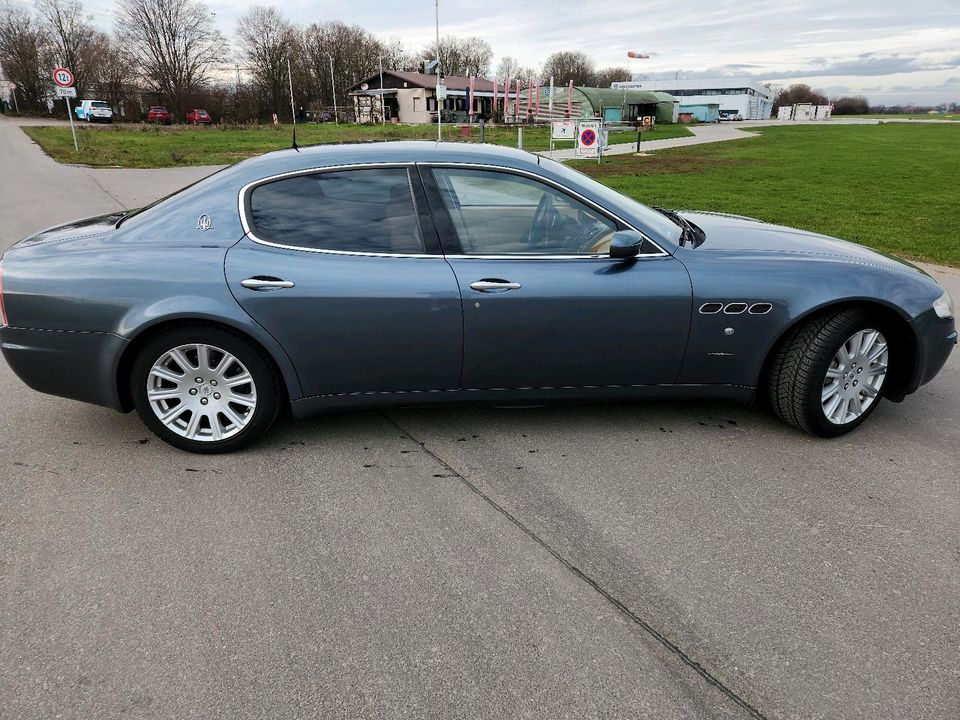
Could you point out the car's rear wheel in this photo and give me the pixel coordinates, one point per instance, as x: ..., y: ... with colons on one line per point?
x: 205, y: 389
x: 827, y: 376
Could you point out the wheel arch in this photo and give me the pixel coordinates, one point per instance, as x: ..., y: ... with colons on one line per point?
x: 289, y: 380
x: 893, y: 319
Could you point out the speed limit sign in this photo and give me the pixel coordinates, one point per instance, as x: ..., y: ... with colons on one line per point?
x: 63, y: 77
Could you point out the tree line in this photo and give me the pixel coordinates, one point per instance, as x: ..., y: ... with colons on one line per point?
x: 172, y: 50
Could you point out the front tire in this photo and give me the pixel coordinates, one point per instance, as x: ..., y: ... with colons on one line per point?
x: 828, y: 375
x: 205, y: 389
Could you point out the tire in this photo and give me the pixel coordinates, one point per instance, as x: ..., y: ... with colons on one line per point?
x: 242, y: 412
x: 807, y: 377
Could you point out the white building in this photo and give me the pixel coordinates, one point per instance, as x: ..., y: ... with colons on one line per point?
x: 735, y: 95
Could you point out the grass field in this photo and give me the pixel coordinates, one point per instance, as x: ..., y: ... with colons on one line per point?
x: 893, y: 187
x: 148, y: 146
x: 908, y: 116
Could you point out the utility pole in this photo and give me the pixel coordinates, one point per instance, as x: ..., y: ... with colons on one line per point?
x: 293, y: 108
x: 383, y: 107
x: 439, y: 111
x: 333, y: 85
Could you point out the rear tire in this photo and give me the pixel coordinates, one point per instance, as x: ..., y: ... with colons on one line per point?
x: 205, y: 389
x: 827, y: 375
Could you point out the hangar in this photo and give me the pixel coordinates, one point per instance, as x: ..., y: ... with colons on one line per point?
x: 735, y: 95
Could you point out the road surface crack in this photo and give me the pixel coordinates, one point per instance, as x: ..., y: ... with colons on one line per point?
x: 671, y: 646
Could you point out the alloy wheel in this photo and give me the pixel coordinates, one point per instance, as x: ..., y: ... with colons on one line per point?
x: 855, y: 375
x: 201, y: 392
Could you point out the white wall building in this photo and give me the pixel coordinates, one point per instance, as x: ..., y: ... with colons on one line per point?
x: 742, y: 95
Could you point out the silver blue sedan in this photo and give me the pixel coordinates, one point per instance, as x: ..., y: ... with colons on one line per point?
x: 406, y: 273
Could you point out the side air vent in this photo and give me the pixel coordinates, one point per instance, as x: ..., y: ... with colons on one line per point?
x: 760, y: 308
x: 710, y: 308
x: 735, y: 308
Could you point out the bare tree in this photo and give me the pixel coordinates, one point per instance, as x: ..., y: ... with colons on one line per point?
x: 175, y: 43
x: 112, y: 73
x: 460, y: 56
x: 851, y: 105
x: 607, y: 76
x: 798, y: 93
x: 71, y: 34
x: 508, y: 67
x: 355, y: 53
x: 23, y: 47
x: 267, y: 38
x: 395, y: 57
x: 569, y: 65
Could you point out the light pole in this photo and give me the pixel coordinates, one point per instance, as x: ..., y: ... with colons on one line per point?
x: 333, y: 86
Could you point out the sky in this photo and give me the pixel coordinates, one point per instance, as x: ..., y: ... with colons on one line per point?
x: 894, y: 52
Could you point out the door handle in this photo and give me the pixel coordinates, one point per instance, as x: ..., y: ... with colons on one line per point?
x: 494, y: 285
x: 266, y: 283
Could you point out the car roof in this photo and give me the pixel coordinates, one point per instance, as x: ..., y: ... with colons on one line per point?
x: 330, y: 155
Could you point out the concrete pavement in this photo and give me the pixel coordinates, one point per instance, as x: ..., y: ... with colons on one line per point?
x: 661, y: 560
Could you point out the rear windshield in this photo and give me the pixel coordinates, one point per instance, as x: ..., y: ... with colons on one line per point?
x: 99, y: 103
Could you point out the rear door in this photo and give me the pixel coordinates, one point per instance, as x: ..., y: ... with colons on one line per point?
x: 544, y: 306
x: 343, y: 268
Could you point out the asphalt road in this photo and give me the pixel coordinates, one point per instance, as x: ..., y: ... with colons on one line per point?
x: 661, y: 560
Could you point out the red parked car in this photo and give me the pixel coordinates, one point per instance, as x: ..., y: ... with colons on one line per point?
x: 159, y: 114
x: 199, y: 116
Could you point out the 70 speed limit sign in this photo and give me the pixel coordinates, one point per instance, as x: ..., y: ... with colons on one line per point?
x: 63, y: 77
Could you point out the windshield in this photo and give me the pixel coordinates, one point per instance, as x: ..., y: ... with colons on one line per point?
x: 653, y: 220
x: 98, y: 103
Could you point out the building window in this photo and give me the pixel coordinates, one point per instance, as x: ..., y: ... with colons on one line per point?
x: 416, y: 104
x: 431, y: 104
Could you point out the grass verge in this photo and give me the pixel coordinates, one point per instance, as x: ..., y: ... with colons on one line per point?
x: 892, y: 187
x: 151, y: 146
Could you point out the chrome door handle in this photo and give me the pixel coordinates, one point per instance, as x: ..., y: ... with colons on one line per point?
x: 262, y: 283
x: 494, y: 285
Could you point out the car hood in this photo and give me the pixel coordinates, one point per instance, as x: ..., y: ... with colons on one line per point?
x: 743, y: 235
x: 78, y: 228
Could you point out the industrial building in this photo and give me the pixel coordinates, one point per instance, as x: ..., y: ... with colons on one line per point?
x: 734, y: 95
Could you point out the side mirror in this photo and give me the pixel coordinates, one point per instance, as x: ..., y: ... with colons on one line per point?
x: 625, y: 244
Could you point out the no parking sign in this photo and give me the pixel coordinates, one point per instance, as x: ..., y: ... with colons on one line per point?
x: 588, y: 138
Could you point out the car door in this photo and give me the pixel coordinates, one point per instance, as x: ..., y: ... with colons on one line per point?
x: 544, y: 306
x: 343, y: 268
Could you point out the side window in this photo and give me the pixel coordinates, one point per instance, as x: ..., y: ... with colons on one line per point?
x: 353, y: 210
x: 499, y: 213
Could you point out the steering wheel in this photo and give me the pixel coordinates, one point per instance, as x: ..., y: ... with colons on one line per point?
x: 598, y: 242
x: 543, y: 221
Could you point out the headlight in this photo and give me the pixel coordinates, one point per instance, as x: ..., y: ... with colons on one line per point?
x: 943, y: 306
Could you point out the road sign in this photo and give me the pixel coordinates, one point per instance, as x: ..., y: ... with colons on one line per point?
x: 564, y: 130
x: 66, y: 92
x: 63, y: 77
x: 588, y: 138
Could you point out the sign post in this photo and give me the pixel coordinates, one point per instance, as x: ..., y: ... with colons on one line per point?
x: 65, y: 89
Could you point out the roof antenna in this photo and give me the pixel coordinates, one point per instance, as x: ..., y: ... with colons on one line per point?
x: 293, y: 110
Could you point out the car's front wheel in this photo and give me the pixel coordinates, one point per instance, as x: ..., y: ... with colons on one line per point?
x: 828, y: 375
x: 205, y: 389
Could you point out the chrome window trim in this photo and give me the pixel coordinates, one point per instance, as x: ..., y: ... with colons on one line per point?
x: 250, y: 186
x: 562, y: 188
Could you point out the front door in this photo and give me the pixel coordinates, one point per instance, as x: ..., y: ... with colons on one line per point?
x: 543, y: 306
x: 339, y: 268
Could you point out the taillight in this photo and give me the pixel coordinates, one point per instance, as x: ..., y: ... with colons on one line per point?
x: 3, y: 312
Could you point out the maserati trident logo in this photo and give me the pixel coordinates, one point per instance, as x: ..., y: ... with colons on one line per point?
x: 204, y: 222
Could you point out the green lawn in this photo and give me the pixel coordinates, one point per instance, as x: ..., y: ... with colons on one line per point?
x: 893, y: 187
x: 908, y: 116
x: 148, y: 146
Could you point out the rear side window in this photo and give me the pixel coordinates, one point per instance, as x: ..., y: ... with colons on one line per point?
x: 368, y: 210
